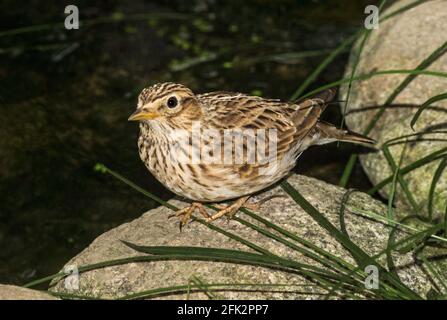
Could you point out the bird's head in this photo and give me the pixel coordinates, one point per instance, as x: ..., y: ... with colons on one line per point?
x: 167, y: 102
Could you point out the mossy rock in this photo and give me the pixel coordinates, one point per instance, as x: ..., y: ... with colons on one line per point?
x: 403, y: 42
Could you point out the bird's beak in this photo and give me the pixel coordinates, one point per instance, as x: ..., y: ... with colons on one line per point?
x: 143, y: 115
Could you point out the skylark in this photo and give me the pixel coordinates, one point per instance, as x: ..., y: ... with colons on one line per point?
x: 218, y: 146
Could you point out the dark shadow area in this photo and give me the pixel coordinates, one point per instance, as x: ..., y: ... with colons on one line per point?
x: 65, y: 96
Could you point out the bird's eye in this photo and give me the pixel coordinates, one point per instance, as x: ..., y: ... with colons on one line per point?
x: 172, y: 102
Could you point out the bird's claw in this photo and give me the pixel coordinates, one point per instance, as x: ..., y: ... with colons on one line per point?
x: 186, y: 214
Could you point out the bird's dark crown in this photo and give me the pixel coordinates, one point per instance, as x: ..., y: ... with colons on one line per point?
x: 161, y: 90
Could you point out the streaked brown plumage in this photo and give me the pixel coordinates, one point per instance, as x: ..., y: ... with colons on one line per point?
x: 168, y: 112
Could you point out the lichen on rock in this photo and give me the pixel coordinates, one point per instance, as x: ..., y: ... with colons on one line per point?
x: 402, y: 43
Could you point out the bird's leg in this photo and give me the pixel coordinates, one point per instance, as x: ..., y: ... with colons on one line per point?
x: 224, y: 210
x: 228, y: 210
x: 255, y: 206
x: 187, y: 212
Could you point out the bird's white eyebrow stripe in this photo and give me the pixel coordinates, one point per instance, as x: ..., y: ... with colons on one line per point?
x: 155, y: 98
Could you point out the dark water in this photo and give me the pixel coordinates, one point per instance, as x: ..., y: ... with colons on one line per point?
x: 65, y: 97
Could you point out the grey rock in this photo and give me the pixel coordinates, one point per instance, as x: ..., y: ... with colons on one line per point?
x: 10, y: 292
x: 154, y: 229
x: 403, y: 42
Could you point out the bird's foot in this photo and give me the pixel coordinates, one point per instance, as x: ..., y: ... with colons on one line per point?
x: 230, y: 210
x: 186, y: 213
x: 255, y: 206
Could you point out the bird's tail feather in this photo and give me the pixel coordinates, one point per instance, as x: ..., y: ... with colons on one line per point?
x: 328, y: 133
x: 327, y: 95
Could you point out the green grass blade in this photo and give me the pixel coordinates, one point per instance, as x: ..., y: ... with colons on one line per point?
x: 366, y: 35
x: 419, y: 136
x: 356, y: 252
x: 403, y: 9
x: 425, y: 105
x: 435, y: 155
x: 431, y: 192
x: 71, y: 296
x: 213, y: 287
x: 343, y: 202
x: 445, y: 220
x: 201, y: 285
x: 113, y: 18
x: 393, y: 183
x: 347, y: 171
x: 335, y: 266
x: 439, y: 52
x: 404, y: 241
x: 439, y: 276
x: 225, y: 255
x: 435, y: 55
x: 363, y: 77
x: 311, y: 78
x: 102, y: 168
x: 300, y: 240
x: 323, y: 277
x: 342, y: 47
x: 362, y: 258
x: 393, y: 223
x: 391, y: 244
x: 399, y: 178
x: 36, y: 282
x: 235, y: 237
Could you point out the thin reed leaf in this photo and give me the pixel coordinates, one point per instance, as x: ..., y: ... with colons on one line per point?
x: 373, y: 74
x: 302, y: 241
x: 445, y: 220
x: 439, y: 52
x: 356, y: 252
x: 71, y: 296
x: 321, y: 276
x: 435, y: 155
x: 438, y: 275
x: 400, y: 179
x: 336, y: 267
x: 425, y: 105
x: 226, y: 255
x: 435, y: 55
x: 404, y: 8
x: 346, y: 175
x: 362, y: 258
x: 355, y: 64
x: 393, y: 223
x: 112, y: 18
x: 214, y: 287
x: 313, y: 76
x: 431, y: 193
x: 332, y: 260
x: 104, y: 169
x: 429, y: 231
x: 201, y: 285
x: 342, y: 47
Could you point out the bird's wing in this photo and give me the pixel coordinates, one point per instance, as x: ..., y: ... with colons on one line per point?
x: 292, y: 121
